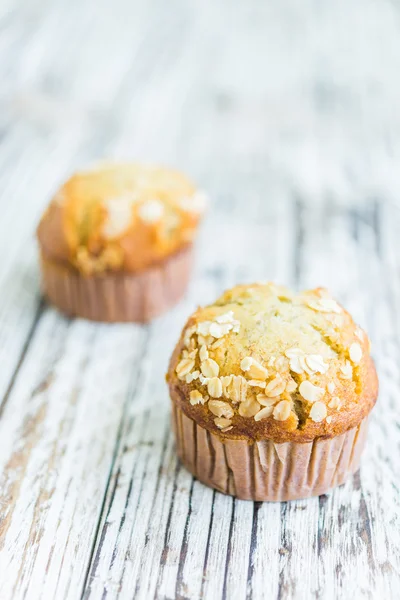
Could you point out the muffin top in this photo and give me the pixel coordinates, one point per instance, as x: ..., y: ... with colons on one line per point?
x: 120, y: 217
x: 263, y: 362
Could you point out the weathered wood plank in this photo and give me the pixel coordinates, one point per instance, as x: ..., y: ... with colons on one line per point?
x: 144, y: 466
x: 58, y: 433
x: 19, y: 302
x: 265, y: 551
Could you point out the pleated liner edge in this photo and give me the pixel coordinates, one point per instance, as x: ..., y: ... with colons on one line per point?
x: 118, y: 296
x: 264, y: 470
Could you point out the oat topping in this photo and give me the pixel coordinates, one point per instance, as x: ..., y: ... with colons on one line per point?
x: 306, y: 363
x: 355, y: 352
x: 280, y: 363
x: 265, y: 401
x: 318, y: 412
x: 219, y: 328
x: 203, y: 354
x: 227, y: 317
x: 209, y: 368
x: 253, y: 368
x: 196, y: 397
x: 217, y: 344
x: 249, y: 408
x: 205, y: 340
x: 264, y: 413
x: 311, y: 392
x: 237, y: 391
x: 316, y: 364
x: 335, y: 402
x: 291, y: 386
x: 346, y: 370
x: 239, y: 363
x: 151, y: 211
x: 326, y: 305
x: 275, y: 387
x: 282, y: 411
x: 226, y: 382
x: 191, y: 354
x: 222, y: 423
x: 295, y: 365
x: 218, y: 331
x: 214, y: 387
x: 119, y: 215
x: 220, y: 408
x: 192, y: 376
x: 292, y: 352
x: 188, y: 336
x: 184, y: 367
x: 203, y: 328
x: 256, y: 383
x: 246, y: 363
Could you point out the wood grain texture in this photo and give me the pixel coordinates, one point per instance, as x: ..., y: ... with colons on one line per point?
x: 288, y: 114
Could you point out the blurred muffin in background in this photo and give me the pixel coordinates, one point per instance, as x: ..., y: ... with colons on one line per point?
x: 116, y: 242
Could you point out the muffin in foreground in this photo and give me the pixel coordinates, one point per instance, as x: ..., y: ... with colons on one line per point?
x: 271, y: 393
x: 116, y: 242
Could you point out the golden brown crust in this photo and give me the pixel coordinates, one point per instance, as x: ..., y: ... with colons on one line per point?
x: 120, y: 217
x: 346, y: 384
x: 244, y: 428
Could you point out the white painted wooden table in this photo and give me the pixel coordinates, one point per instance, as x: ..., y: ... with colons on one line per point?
x: 288, y: 114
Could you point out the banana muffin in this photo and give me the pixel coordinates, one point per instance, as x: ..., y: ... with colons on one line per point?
x: 271, y: 393
x: 116, y: 241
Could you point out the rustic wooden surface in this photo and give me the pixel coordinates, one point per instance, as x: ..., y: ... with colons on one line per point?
x: 288, y: 114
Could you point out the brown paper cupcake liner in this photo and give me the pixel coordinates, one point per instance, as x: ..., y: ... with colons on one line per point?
x: 118, y: 297
x: 265, y: 470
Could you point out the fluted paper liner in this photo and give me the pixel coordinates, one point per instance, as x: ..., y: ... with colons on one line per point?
x: 118, y: 296
x: 265, y: 470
